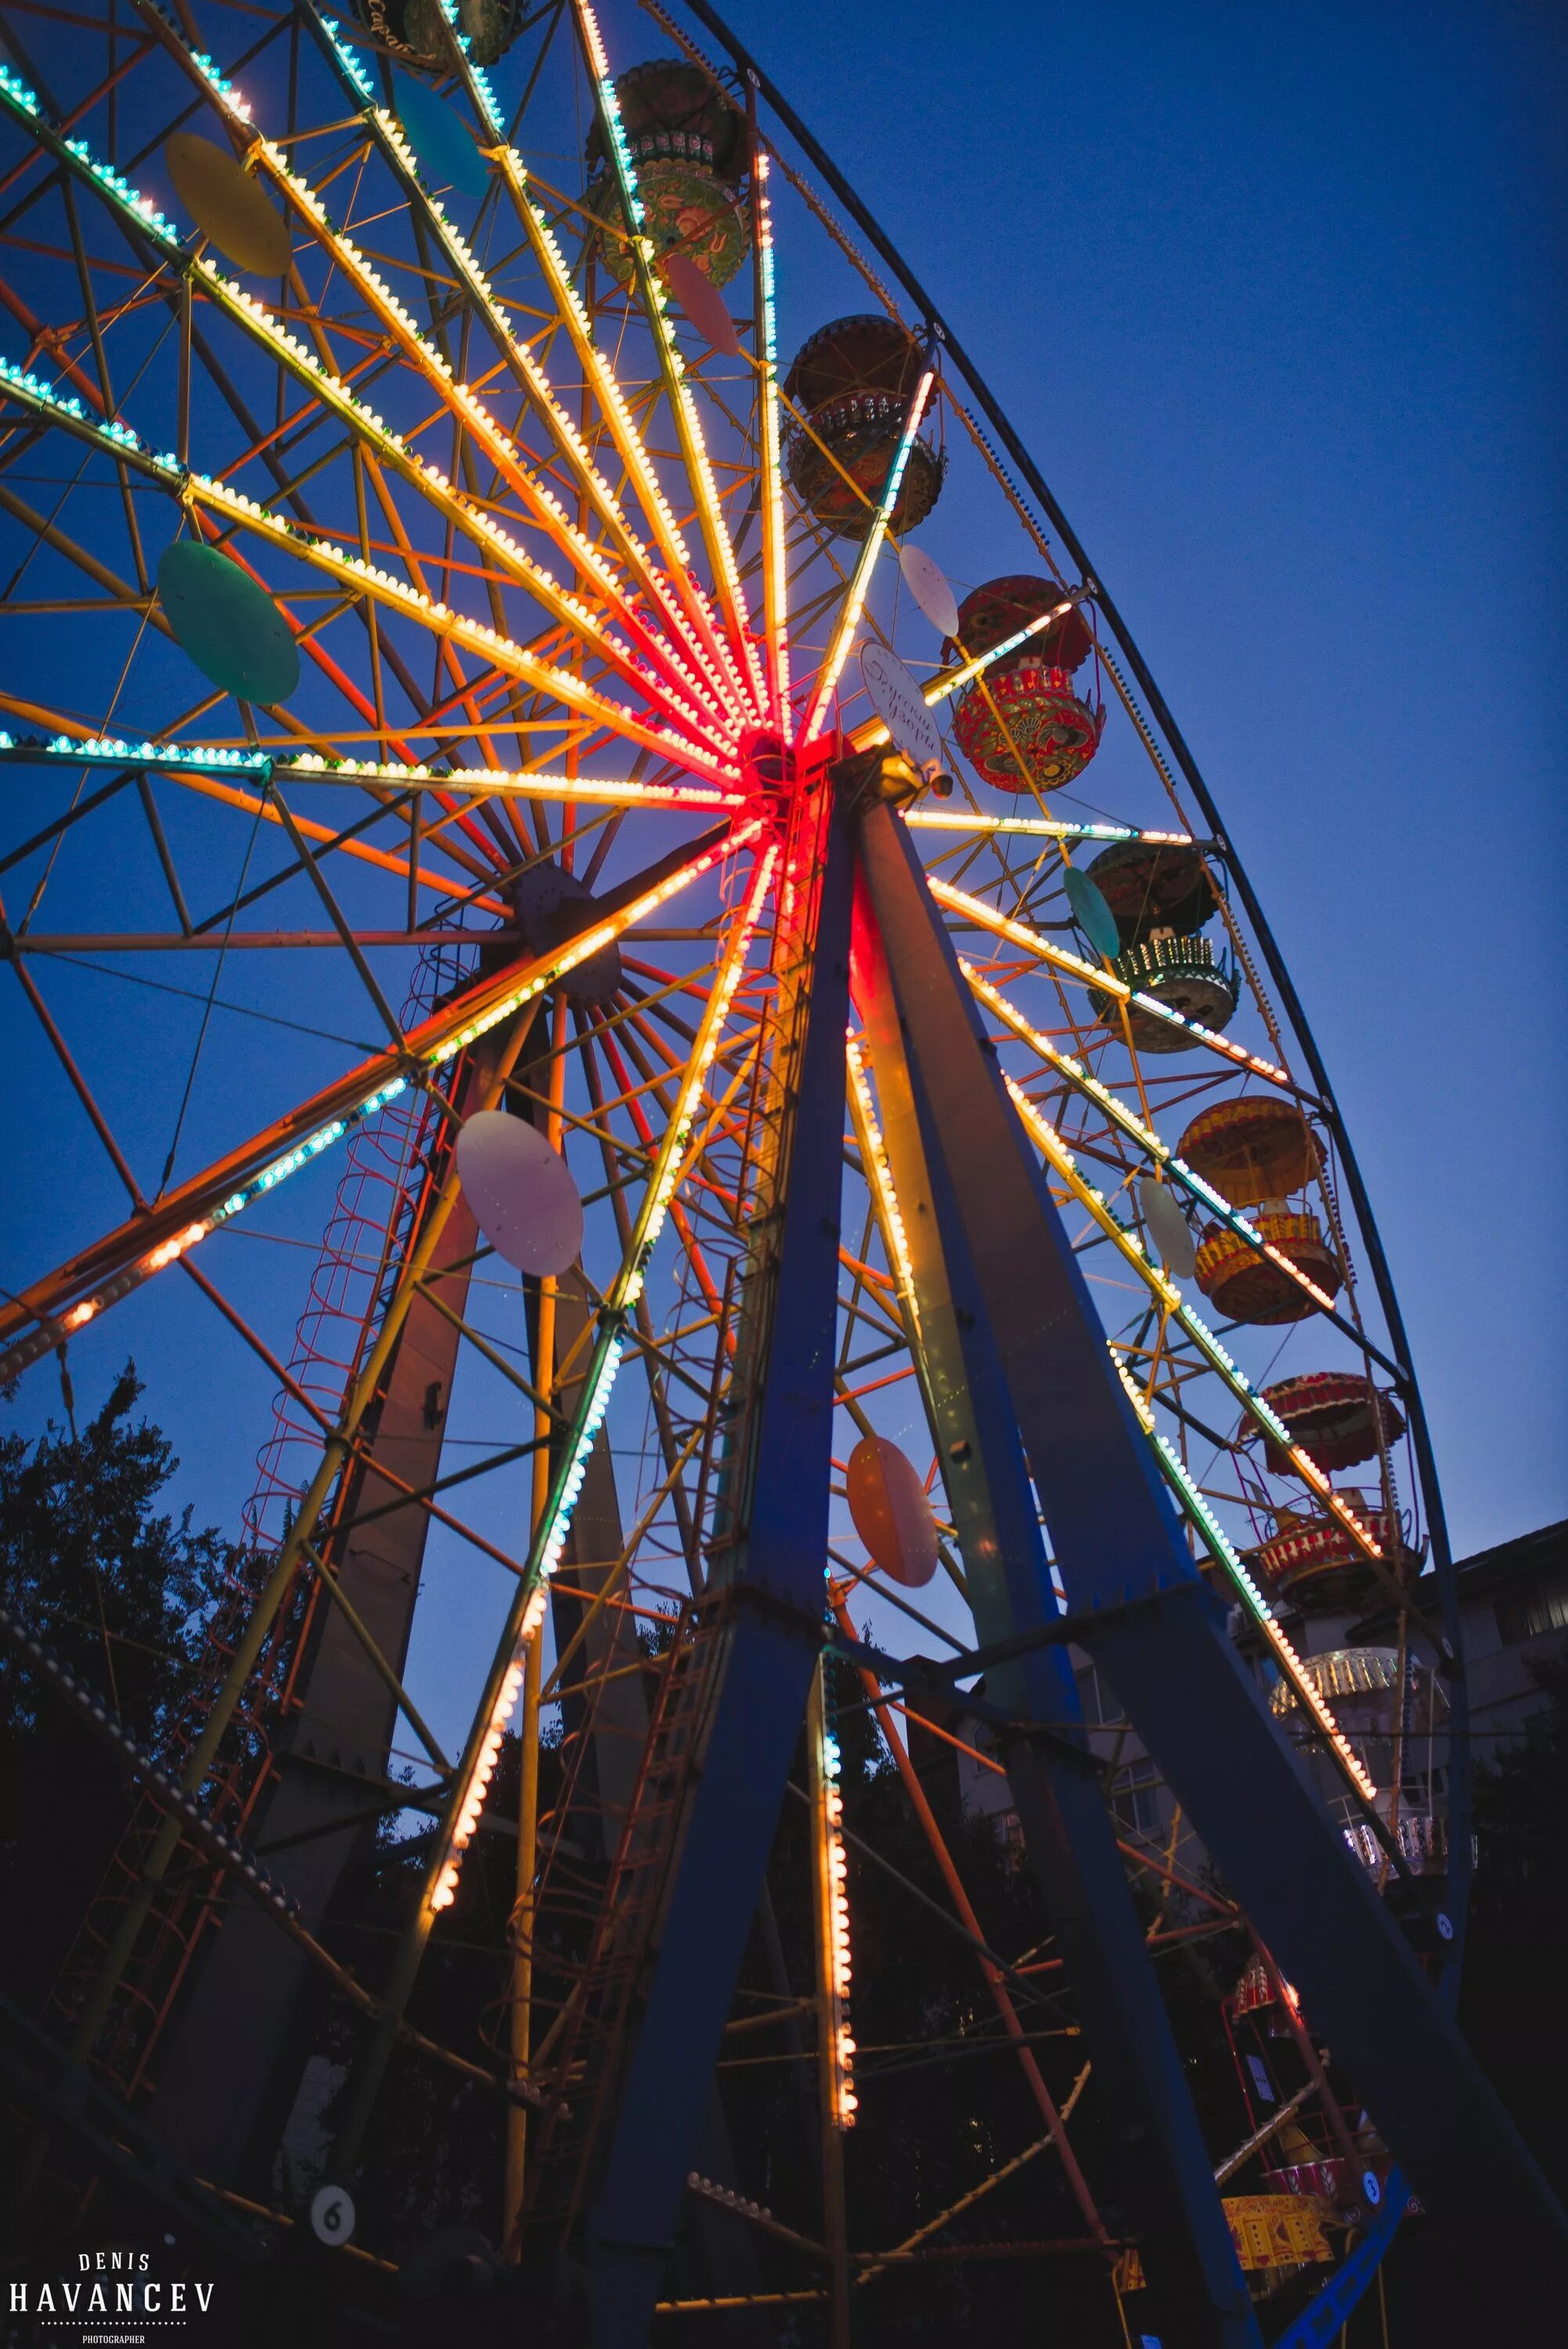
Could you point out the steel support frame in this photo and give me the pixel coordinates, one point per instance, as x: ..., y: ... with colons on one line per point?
x: 1176, y: 1672
x: 770, y: 1642
x: 1161, y: 2183
x: 342, y: 1713
x: 1461, y: 1757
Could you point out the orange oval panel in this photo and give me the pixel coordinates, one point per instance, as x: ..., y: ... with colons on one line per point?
x: 227, y: 206
x: 890, y: 1512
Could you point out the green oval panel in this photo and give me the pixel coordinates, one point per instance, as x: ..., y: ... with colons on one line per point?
x: 1090, y: 911
x: 448, y: 156
x: 231, y: 628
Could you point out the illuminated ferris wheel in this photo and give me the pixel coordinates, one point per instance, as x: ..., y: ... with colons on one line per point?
x: 830, y: 1133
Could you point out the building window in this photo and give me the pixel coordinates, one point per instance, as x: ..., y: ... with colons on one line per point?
x: 1135, y: 1797
x: 1526, y: 1614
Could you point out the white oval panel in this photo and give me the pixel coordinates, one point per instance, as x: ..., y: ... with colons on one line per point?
x: 521, y: 1192
x: 927, y: 583
x: 1168, y: 1227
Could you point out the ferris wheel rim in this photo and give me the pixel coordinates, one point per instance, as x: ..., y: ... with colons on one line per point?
x: 1155, y: 702
x: 1453, y: 1651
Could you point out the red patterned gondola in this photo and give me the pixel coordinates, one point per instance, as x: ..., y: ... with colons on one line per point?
x: 1334, y: 1415
x: 1251, y: 1148
x: 1314, y: 1560
x: 1246, y: 1286
x: 689, y: 148
x: 1024, y: 707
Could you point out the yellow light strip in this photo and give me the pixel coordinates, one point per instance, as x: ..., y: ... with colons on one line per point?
x: 1165, y: 1289
x: 879, y: 1177
x: 833, y: 1912
x: 693, y: 621
x: 670, y: 1168
x: 1018, y: 934
x: 1221, y: 1551
x: 1040, y: 827
x: 485, y: 782
x: 700, y: 641
x: 266, y: 1179
x: 361, y: 578
x: 373, y: 289
x: 549, y: 1544
x: 866, y: 737
x: 1133, y: 1126
x: 860, y: 578
x: 689, y: 693
x: 689, y: 427
x: 775, y: 567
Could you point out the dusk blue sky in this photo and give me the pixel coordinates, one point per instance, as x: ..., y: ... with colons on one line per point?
x: 1277, y: 298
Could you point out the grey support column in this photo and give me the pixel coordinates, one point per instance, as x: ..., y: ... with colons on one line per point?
x: 1162, y: 2186
x: 1159, y: 1636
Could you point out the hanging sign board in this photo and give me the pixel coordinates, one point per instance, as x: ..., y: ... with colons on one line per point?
x: 897, y: 700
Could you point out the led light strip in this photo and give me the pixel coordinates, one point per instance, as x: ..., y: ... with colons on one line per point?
x: 549, y: 1544
x: 27, y: 105
x: 860, y: 578
x: 688, y: 428
x: 1130, y: 1246
x: 879, y: 1177
x: 53, y: 1330
x: 476, y: 636
x: 687, y: 697
x: 701, y: 630
x: 64, y: 409
x: 358, y: 576
x: 949, y: 681
x: 694, y: 704
x: 475, y: 74
x: 1018, y: 934
x: 379, y: 295
x: 833, y: 1867
x: 49, y: 1335
x: 1042, y: 827
x: 717, y: 678
x: 313, y: 767
x: 1220, y: 1549
x: 775, y: 566
x: 1133, y: 1125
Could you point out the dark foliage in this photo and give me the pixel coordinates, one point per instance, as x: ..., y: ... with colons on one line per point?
x: 120, y: 1589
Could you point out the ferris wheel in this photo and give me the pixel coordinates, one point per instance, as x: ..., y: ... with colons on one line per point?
x: 778, y: 1119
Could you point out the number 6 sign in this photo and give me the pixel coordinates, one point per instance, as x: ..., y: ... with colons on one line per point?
x: 332, y: 2215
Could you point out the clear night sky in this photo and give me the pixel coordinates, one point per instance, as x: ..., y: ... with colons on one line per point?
x: 1277, y: 297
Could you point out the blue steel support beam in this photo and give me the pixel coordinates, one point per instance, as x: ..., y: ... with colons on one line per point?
x: 1460, y: 1759
x: 1160, y: 2171
x: 767, y: 1649
x: 1175, y: 1671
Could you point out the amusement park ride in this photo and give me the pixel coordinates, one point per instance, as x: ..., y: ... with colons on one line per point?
x: 846, y: 1153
